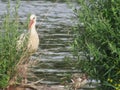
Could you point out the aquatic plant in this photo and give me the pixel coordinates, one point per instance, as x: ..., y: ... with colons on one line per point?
x: 98, y: 38
x: 9, y: 32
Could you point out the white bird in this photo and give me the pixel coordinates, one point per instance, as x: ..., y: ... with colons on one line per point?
x: 33, y: 40
x: 32, y: 36
x: 30, y: 46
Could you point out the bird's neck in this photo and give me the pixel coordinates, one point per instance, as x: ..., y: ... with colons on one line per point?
x: 33, y: 29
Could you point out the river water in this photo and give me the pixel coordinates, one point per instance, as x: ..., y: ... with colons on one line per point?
x: 54, y: 22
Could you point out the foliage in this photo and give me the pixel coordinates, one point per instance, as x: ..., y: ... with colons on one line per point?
x: 98, y: 38
x: 9, y: 56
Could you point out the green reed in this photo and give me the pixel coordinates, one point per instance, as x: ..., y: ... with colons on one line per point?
x: 98, y: 38
x: 9, y: 32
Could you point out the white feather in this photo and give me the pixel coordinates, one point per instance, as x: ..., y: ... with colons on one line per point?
x: 31, y: 36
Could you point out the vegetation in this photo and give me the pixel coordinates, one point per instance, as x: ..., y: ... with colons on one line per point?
x: 9, y: 56
x: 98, y: 39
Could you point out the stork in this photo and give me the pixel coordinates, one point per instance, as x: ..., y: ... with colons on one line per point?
x: 31, y: 45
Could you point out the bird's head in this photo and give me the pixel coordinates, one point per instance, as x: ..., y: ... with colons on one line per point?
x: 32, y: 21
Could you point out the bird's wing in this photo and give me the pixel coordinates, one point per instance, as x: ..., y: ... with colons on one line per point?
x: 22, y: 39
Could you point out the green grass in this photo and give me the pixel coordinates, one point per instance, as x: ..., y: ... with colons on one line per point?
x: 9, y: 56
x: 99, y: 41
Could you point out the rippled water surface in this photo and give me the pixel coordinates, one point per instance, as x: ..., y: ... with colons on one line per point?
x: 54, y: 21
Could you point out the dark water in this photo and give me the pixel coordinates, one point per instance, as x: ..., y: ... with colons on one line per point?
x: 54, y: 21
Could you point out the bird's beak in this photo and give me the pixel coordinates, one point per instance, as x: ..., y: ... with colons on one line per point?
x: 30, y: 24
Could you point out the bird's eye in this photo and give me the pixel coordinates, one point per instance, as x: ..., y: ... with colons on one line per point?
x: 33, y: 17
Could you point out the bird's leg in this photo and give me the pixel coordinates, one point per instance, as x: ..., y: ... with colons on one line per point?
x: 25, y: 80
x: 75, y: 89
x: 25, y: 77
